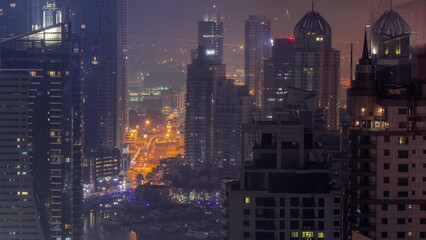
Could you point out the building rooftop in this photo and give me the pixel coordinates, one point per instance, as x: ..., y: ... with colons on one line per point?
x: 391, y: 24
x: 312, y: 23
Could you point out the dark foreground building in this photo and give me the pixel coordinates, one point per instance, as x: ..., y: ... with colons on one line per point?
x: 386, y: 136
x: 52, y: 89
x: 286, y: 190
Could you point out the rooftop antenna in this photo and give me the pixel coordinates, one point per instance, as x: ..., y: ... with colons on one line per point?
x: 371, y: 12
x: 390, y: 3
x: 312, y: 5
x: 351, y: 77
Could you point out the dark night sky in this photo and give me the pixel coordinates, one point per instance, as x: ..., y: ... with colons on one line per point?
x: 159, y: 20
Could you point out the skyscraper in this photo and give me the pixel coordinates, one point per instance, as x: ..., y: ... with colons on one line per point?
x: 103, y: 28
x: 276, y: 78
x: 210, y: 34
x: 233, y: 107
x: 386, y: 134
x: 203, y: 75
x: 51, y: 14
x: 112, y: 85
x: 54, y: 124
x: 257, y: 49
x: 391, y: 39
x: 19, y: 217
x: 315, y: 65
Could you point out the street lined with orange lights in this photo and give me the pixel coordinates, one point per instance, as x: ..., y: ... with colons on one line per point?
x: 148, y: 145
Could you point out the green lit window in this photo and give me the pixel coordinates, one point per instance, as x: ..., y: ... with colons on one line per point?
x: 321, y: 235
x: 247, y: 200
x: 307, y: 234
x: 294, y: 234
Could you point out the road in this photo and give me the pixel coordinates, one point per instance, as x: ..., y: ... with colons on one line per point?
x: 150, y: 145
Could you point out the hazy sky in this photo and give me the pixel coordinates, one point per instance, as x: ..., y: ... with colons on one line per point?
x: 164, y: 20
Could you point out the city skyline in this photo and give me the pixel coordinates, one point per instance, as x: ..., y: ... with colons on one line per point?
x: 212, y: 119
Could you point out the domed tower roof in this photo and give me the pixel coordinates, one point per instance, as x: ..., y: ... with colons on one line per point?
x: 391, y: 24
x: 312, y: 22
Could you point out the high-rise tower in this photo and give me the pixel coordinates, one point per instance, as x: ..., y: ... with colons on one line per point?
x: 112, y: 83
x: 315, y: 65
x: 203, y: 76
x: 54, y: 124
x: 276, y: 76
x: 386, y: 135
x: 210, y: 34
x: 234, y: 106
x: 391, y: 42
x: 19, y: 217
x: 257, y: 49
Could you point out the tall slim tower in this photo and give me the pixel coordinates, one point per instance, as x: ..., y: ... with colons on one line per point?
x: 112, y: 82
x: 257, y: 49
x: 210, y: 34
x: 315, y: 65
x: 276, y: 76
x: 233, y: 107
x: 203, y: 75
x: 54, y: 124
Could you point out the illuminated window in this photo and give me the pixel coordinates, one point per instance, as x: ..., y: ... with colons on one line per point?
x: 377, y: 124
x: 83, y: 26
x: 294, y: 234
x: 307, y: 234
x: 403, y: 140
x: 12, y: 5
x: 321, y: 235
x: 247, y: 200
x: 319, y: 39
x: 33, y: 74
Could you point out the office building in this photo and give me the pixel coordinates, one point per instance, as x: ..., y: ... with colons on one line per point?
x: 112, y: 86
x: 51, y: 15
x: 210, y: 34
x: 54, y: 124
x: 103, y: 25
x: 391, y: 53
x: 106, y: 169
x: 315, y: 65
x: 286, y: 190
x: 19, y: 218
x: 103, y: 28
x: 276, y: 76
x: 386, y: 137
x: 204, y: 74
x: 233, y: 107
x: 257, y: 49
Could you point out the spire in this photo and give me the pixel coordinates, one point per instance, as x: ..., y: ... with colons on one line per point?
x: 390, y: 2
x: 312, y: 5
x: 365, y: 50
